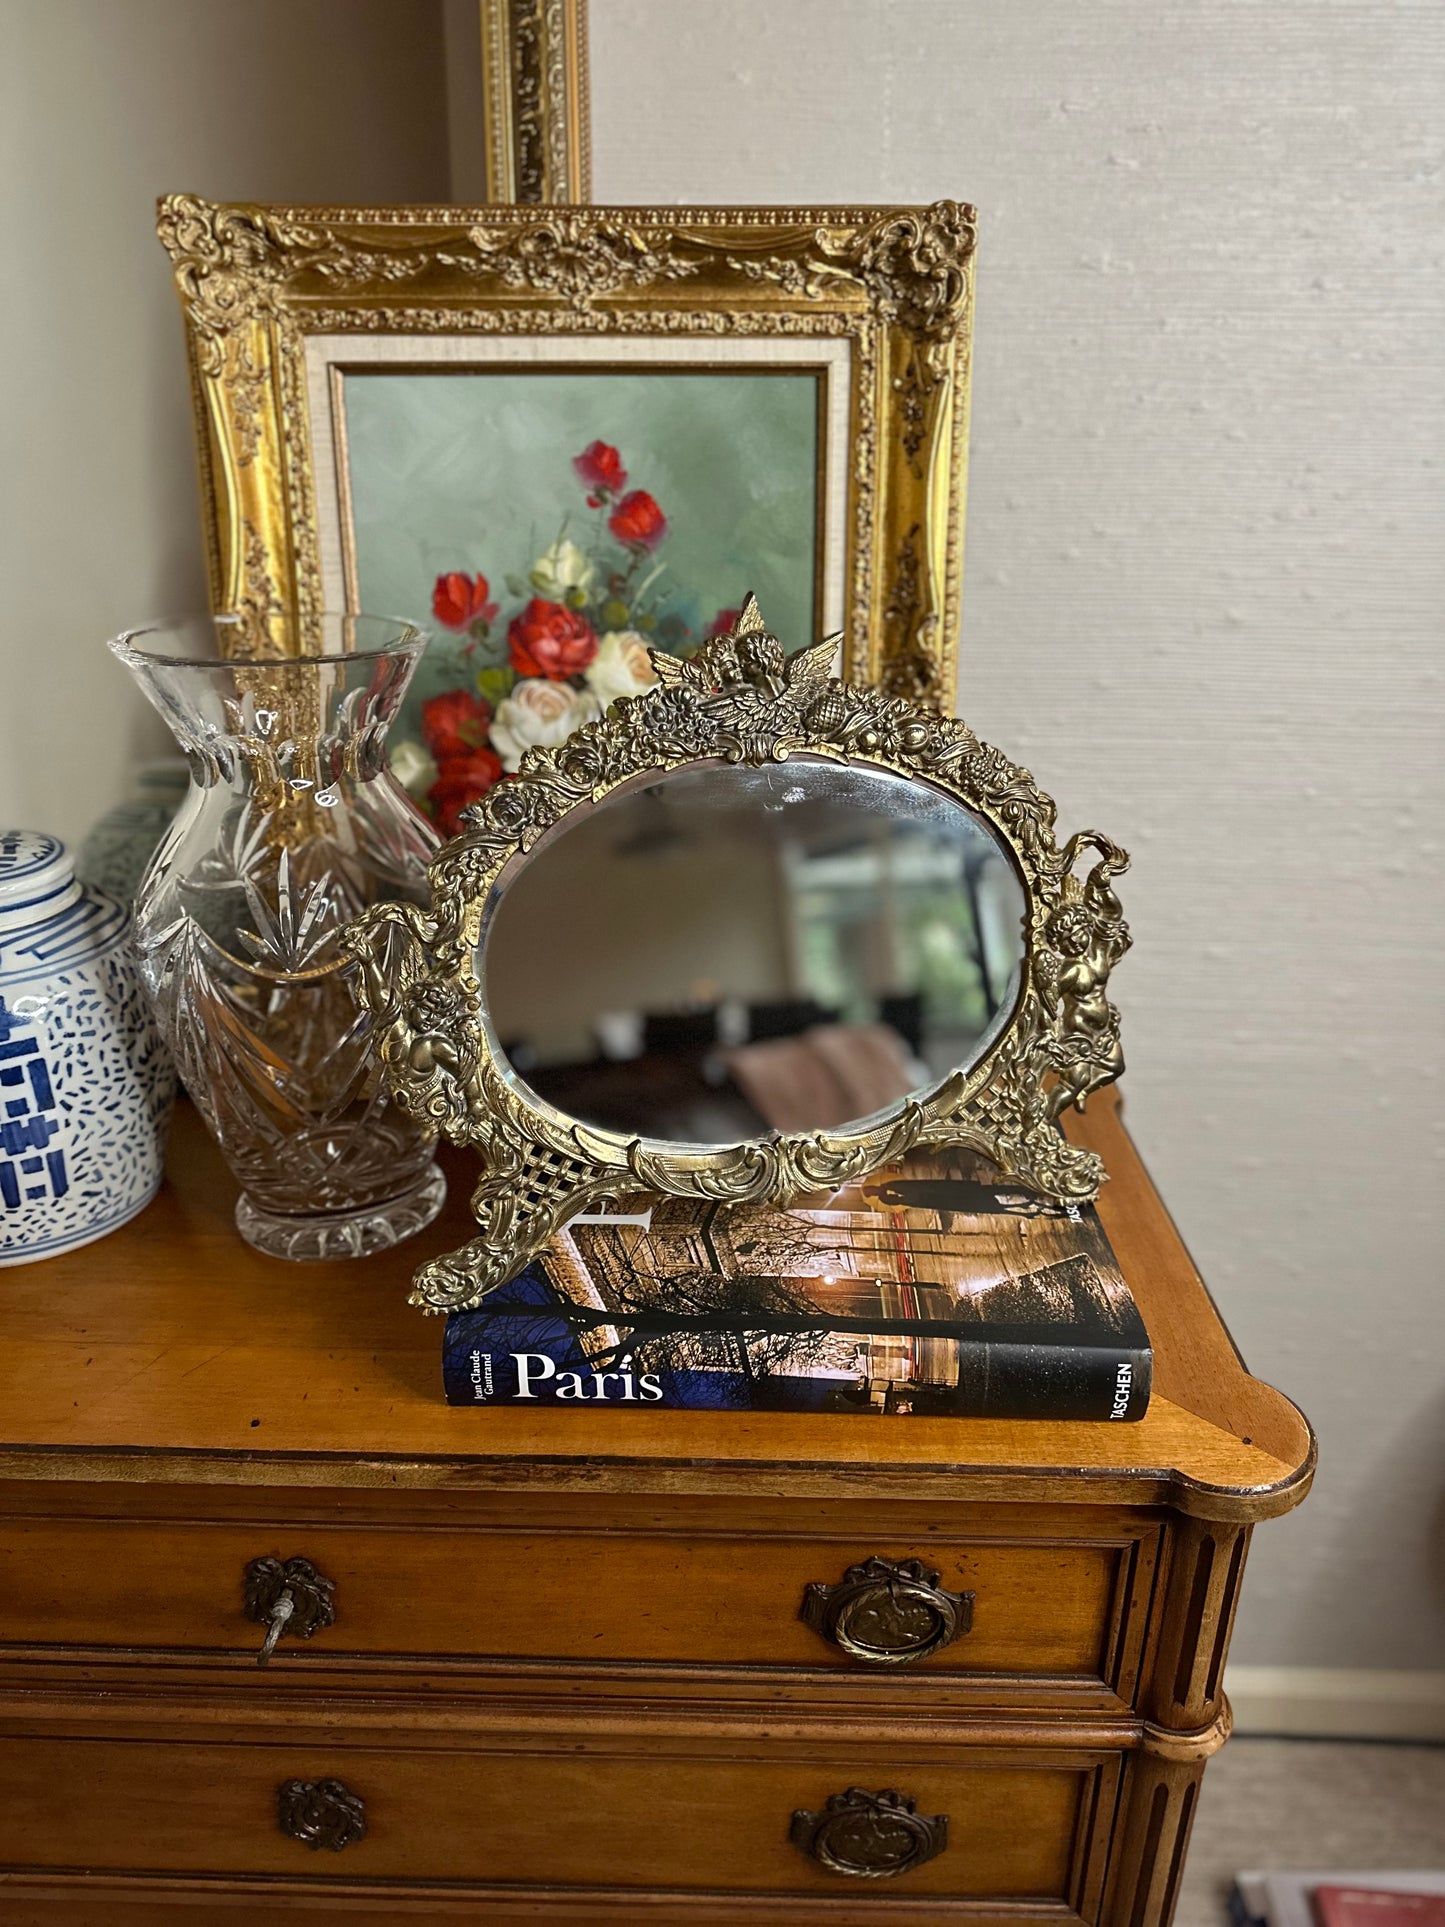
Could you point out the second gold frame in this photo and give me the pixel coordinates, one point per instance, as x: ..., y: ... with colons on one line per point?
x: 535, y: 104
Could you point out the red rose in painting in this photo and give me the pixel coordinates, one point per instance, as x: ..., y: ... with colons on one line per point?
x: 638, y: 521
x: 455, y: 724
x: 460, y: 782
x: 459, y: 600
x: 599, y: 469
x: 724, y: 622
x: 549, y: 640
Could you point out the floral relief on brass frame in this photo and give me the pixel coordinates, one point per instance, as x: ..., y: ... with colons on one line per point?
x: 739, y: 701
x: 893, y: 284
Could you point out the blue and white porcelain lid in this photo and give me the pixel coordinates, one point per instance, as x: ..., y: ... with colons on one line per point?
x: 37, y: 879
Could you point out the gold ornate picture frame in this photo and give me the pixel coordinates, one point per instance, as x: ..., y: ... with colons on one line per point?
x: 738, y: 701
x: 877, y: 300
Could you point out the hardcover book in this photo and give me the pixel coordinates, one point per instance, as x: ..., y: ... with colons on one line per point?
x: 1305, y: 1899
x: 934, y: 1287
x: 1341, y: 1906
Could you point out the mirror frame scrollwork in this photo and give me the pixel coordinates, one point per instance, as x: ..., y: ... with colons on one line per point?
x: 739, y: 700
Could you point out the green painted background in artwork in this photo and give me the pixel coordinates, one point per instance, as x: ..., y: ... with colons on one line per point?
x: 473, y: 471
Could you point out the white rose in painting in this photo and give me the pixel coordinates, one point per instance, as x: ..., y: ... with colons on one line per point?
x: 536, y: 713
x: 412, y: 768
x: 562, y: 569
x: 621, y: 667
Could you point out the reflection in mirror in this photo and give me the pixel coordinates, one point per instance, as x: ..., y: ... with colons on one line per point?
x: 721, y: 952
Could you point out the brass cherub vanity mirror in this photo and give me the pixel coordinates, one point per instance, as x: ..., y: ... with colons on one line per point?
x: 750, y: 935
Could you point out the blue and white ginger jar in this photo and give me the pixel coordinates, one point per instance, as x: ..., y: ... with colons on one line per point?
x: 85, y: 1083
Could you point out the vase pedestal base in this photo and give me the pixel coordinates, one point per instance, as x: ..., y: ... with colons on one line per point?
x: 343, y: 1234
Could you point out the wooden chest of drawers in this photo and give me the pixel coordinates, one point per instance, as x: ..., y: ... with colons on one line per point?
x: 617, y: 1667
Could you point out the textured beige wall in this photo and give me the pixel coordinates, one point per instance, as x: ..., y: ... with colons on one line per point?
x: 1202, y: 602
x: 106, y: 105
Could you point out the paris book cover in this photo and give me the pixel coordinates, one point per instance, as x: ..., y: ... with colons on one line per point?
x: 933, y: 1287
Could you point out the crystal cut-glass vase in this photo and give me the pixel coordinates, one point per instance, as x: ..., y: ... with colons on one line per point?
x: 293, y: 824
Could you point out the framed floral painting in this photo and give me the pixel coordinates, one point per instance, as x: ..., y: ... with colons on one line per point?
x: 551, y: 524
x: 561, y: 437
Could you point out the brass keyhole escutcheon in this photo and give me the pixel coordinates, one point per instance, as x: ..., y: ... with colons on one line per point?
x: 287, y: 1597
x: 321, y: 1813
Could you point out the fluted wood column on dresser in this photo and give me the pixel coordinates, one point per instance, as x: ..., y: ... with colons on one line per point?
x: 280, y: 1633
x: 1186, y: 1718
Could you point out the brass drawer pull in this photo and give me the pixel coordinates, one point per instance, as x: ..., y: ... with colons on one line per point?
x: 888, y: 1612
x: 321, y: 1813
x: 288, y: 1596
x: 870, y: 1836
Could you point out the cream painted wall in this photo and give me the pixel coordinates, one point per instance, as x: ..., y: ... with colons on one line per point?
x: 106, y: 105
x: 1203, y: 599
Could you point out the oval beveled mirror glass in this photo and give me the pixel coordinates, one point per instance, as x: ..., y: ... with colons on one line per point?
x: 718, y: 953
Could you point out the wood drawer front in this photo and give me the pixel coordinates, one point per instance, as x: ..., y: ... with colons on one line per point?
x: 1020, y: 1827
x: 1043, y: 1608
